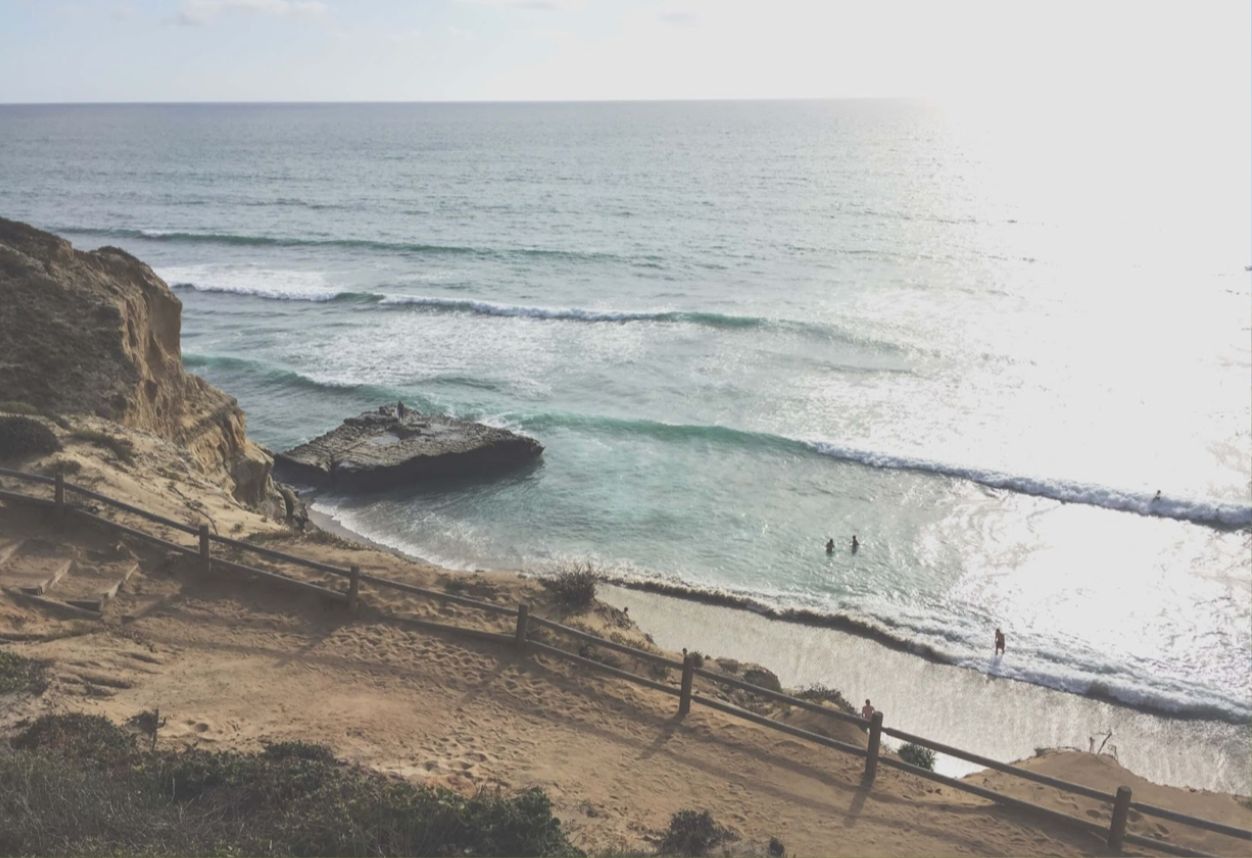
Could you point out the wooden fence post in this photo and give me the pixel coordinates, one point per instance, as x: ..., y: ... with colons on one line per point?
x: 204, y: 548
x: 1121, y: 810
x: 354, y: 587
x: 59, y: 493
x: 523, y: 615
x: 871, y: 752
x: 689, y: 675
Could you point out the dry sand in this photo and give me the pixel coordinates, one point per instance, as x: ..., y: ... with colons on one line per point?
x: 233, y: 663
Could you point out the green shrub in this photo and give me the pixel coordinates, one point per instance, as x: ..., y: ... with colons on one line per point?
x: 574, y: 587
x: 21, y: 675
x: 23, y: 437
x: 293, y: 799
x: 85, y: 738
x: 64, y: 467
x: 916, y: 755
x: 123, y: 449
x: 823, y: 694
x: 300, y: 751
x: 12, y: 406
x: 692, y: 832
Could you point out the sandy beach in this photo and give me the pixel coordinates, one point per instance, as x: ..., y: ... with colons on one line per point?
x: 235, y: 665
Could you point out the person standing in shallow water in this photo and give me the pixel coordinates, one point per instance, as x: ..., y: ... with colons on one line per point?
x: 830, y: 546
x: 999, y: 641
x: 856, y: 544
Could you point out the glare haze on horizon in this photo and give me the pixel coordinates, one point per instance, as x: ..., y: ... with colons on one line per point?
x: 1163, y: 54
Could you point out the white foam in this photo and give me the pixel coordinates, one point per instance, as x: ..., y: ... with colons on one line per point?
x: 1185, y: 509
x: 491, y: 308
x: 282, y: 284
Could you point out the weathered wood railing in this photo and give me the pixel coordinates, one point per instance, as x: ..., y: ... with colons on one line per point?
x: 1114, y: 834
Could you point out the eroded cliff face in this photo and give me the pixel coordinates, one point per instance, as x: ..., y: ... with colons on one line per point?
x: 98, y: 333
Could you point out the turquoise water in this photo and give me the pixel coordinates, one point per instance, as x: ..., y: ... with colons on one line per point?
x: 740, y: 329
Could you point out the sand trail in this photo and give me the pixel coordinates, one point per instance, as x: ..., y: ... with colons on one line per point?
x: 233, y: 664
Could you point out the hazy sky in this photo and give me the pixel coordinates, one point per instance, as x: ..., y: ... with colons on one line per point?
x: 403, y: 50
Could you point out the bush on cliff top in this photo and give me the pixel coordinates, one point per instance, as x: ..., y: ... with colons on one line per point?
x: 23, y: 437
x: 916, y: 755
x: 21, y: 675
x: 693, y: 832
x: 122, y: 448
x: 293, y: 799
x: 824, y: 694
x: 574, y: 587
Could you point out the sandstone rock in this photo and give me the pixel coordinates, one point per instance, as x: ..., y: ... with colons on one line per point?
x: 383, y: 449
x: 98, y: 333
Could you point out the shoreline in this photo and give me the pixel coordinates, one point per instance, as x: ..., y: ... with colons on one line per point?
x: 794, y: 644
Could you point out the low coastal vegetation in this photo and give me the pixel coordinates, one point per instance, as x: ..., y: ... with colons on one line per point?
x: 122, y: 448
x: 22, y: 437
x: 574, y: 587
x: 824, y: 694
x: 693, y: 832
x: 11, y: 406
x: 21, y: 675
x: 80, y: 785
x: 916, y: 755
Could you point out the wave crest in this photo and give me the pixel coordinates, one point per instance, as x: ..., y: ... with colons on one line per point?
x: 1197, y: 511
x: 397, y: 247
x: 428, y: 304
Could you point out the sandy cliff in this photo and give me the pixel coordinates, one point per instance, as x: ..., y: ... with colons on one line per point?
x: 97, y: 333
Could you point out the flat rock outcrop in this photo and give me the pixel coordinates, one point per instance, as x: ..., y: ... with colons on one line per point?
x: 394, y: 447
x: 98, y: 333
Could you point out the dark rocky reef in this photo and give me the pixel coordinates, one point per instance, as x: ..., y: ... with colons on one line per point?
x: 394, y: 447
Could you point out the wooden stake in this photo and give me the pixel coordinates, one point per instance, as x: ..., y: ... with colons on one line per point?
x: 689, y: 676
x: 875, y: 740
x: 523, y: 615
x: 1121, y: 811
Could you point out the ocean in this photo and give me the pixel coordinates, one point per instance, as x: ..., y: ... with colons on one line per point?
x: 978, y: 341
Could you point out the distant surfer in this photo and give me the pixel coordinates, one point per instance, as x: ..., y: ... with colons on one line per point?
x: 999, y: 642
x: 830, y: 546
x: 1156, y: 498
x: 856, y: 544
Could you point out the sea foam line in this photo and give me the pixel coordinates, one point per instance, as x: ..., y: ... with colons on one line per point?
x: 1213, y: 513
x: 422, y: 303
x: 1197, y: 511
x: 400, y: 247
x: 1071, y: 678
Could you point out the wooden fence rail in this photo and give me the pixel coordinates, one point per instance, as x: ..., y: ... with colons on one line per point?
x: 782, y: 698
x: 1115, y: 833
x: 998, y: 766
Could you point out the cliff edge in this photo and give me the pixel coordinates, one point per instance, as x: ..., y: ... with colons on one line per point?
x: 97, y: 333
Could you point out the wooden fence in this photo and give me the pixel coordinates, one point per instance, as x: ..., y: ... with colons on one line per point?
x: 1114, y: 833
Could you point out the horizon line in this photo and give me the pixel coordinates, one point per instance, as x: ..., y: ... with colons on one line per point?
x: 277, y: 102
